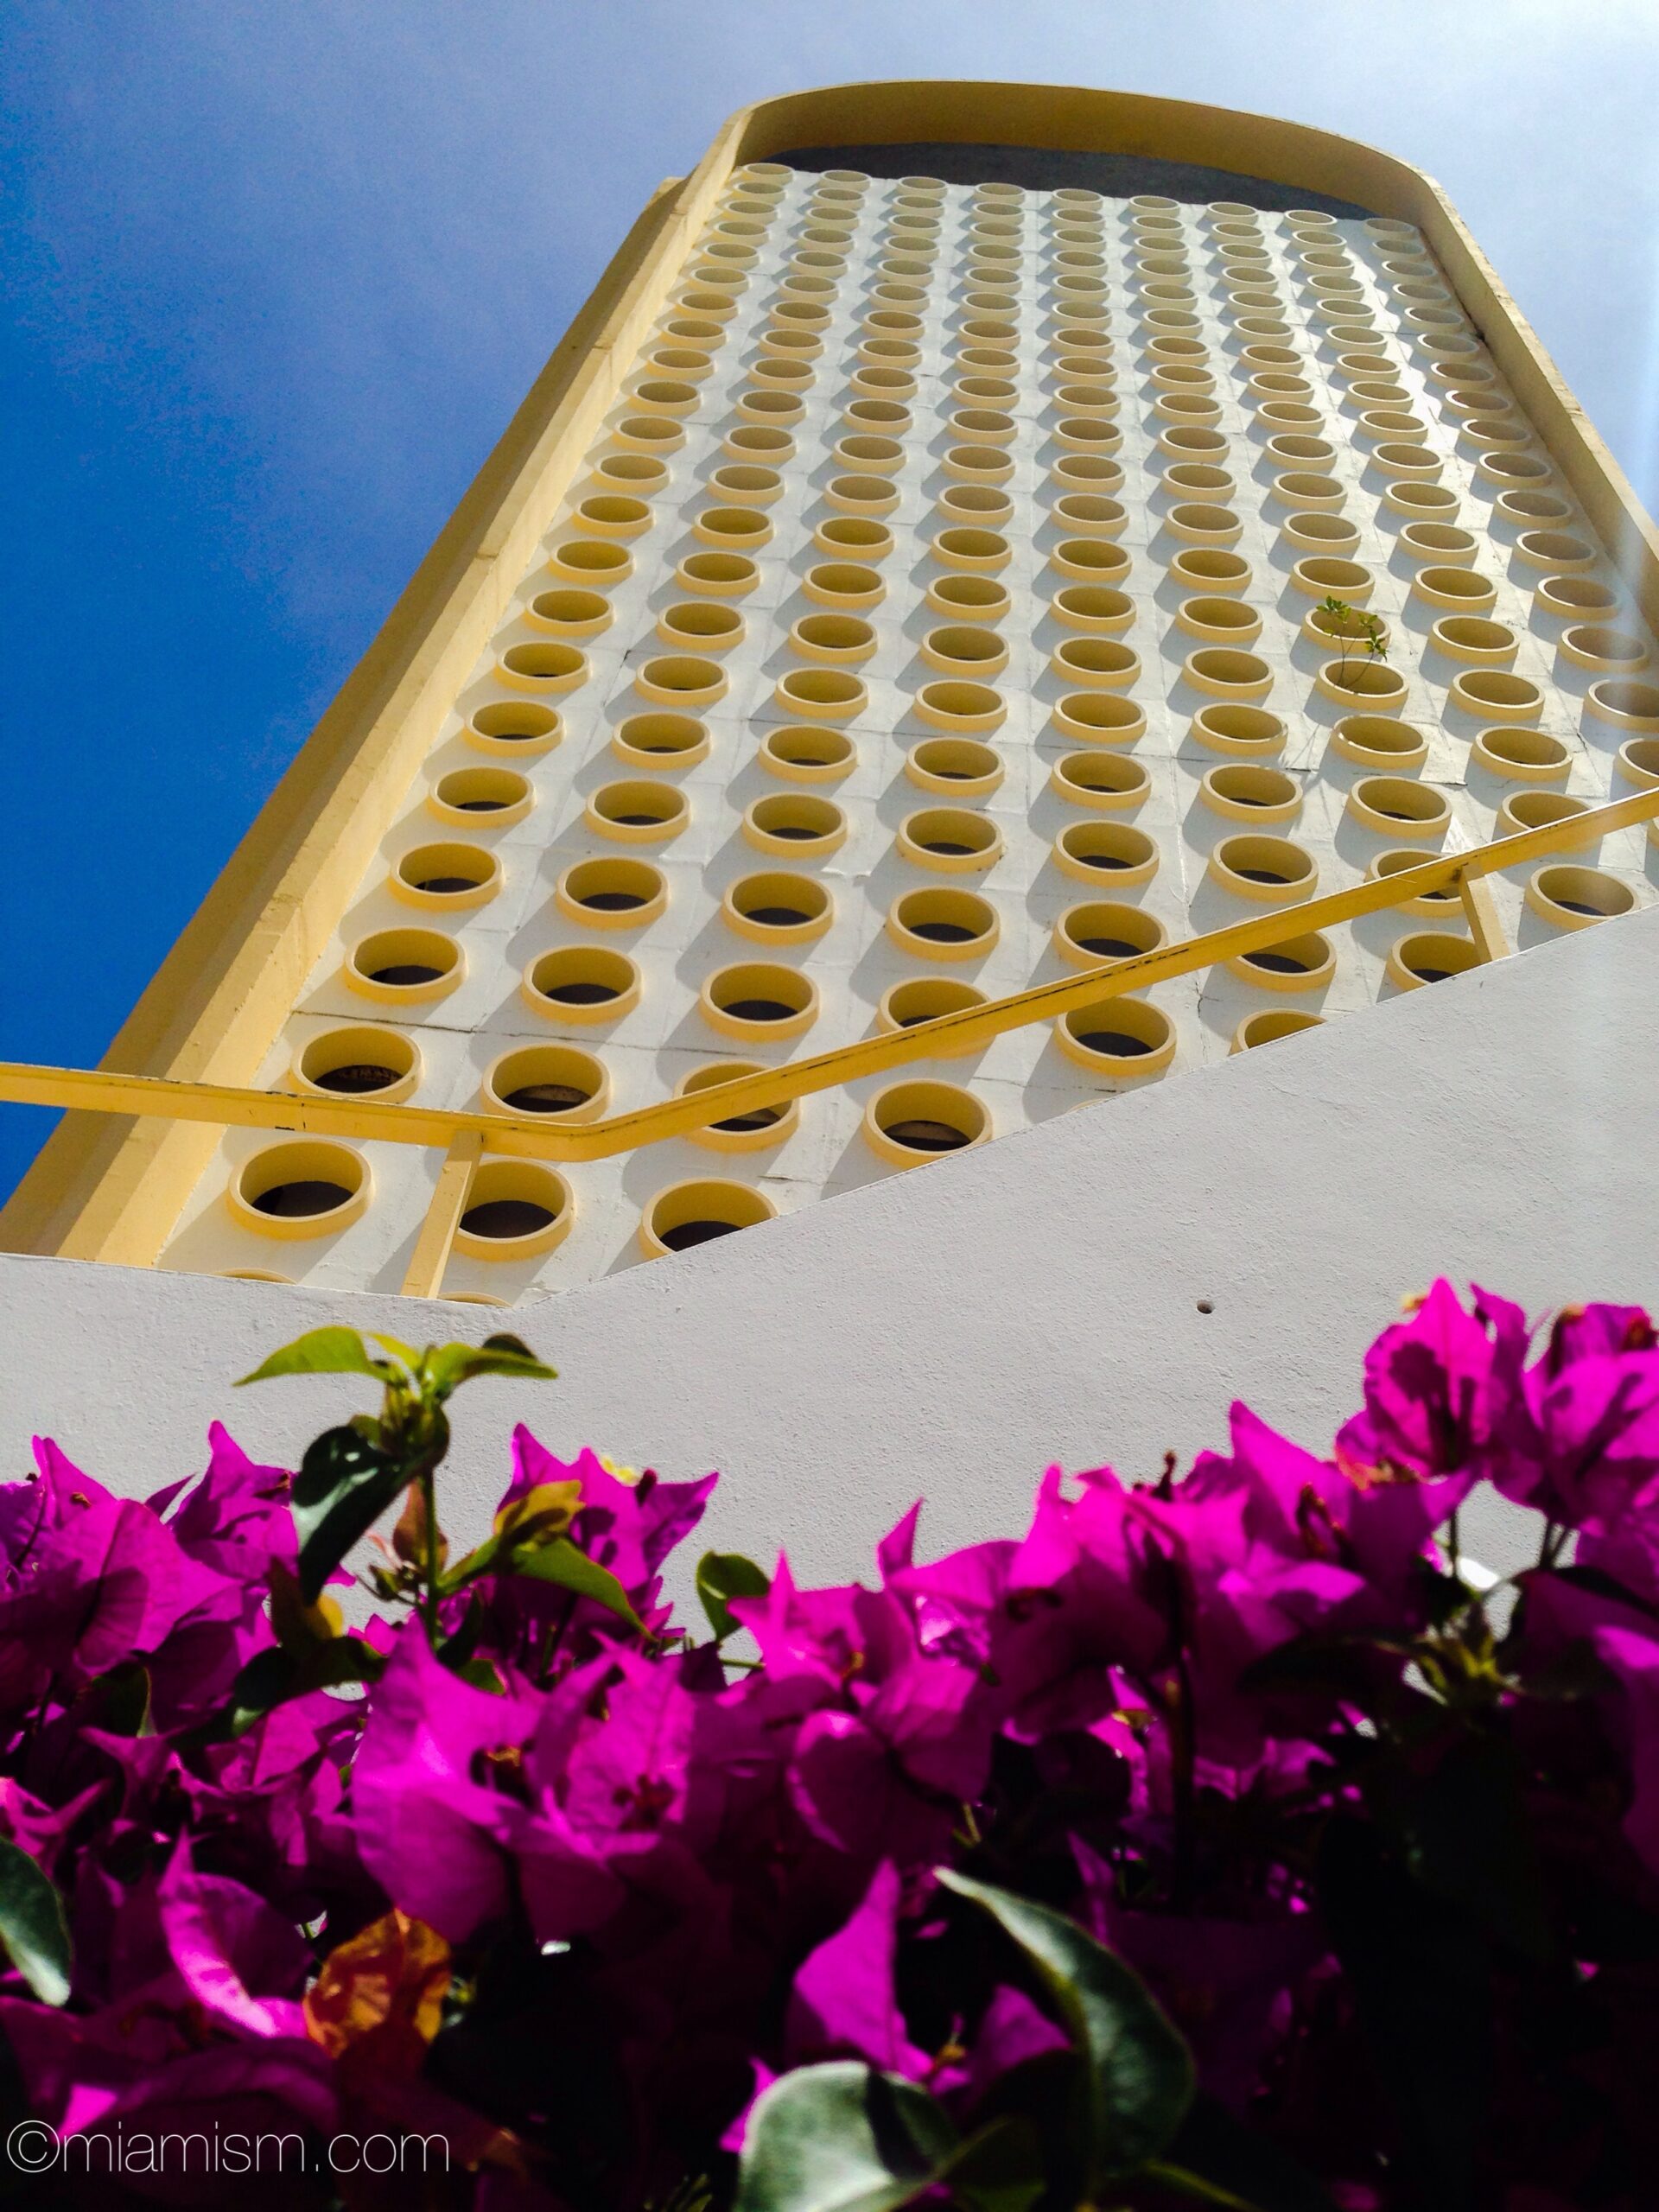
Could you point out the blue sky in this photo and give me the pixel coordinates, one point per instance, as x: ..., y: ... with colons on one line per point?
x: 279, y: 271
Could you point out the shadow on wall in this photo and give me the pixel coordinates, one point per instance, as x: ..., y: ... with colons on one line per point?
x: 1041, y: 169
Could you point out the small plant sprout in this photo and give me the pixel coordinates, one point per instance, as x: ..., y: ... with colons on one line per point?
x: 1351, y: 627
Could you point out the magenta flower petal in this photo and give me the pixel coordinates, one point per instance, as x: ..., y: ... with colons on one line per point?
x: 428, y: 1828
x: 843, y: 1998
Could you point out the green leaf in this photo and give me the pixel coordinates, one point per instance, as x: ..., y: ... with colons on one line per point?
x: 343, y: 1485
x: 272, y: 1678
x: 321, y: 1352
x: 1137, y: 2071
x: 999, y: 2169
x: 721, y: 1575
x: 119, y: 1702
x: 447, y: 1366
x: 560, y: 1562
x: 842, y: 2139
x: 398, y: 1350
x: 33, y: 1927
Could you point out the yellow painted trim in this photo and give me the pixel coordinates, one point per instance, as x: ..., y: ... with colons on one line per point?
x: 530, y: 1138
x: 424, y: 1274
x: 103, y: 1188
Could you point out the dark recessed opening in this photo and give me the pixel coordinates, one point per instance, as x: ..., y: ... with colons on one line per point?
x: 294, y: 1201
x: 581, y: 994
x: 447, y: 883
x: 637, y: 821
x: 1102, y: 860
x: 1576, y: 905
x: 1261, y: 875
x: 945, y: 847
x: 478, y: 805
x: 759, y: 1010
x: 505, y: 1217
x: 406, y: 972
x: 1118, y: 1042
x: 796, y: 831
x: 943, y: 933
x: 358, y: 1076
x: 1277, y: 963
x: 925, y: 1136
x: 1433, y: 975
x: 695, y: 1232
x: 776, y: 918
x: 762, y: 1118
x: 611, y: 902
x: 546, y: 1098
x: 1110, y: 948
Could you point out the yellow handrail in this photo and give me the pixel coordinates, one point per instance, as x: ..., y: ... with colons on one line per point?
x: 107, y: 1092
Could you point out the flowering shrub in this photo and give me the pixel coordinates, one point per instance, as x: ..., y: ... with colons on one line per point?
x: 1221, y: 1840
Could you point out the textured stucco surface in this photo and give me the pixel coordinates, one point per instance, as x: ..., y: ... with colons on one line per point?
x: 948, y: 1332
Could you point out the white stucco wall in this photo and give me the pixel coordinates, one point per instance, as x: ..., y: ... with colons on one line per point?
x: 948, y: 1332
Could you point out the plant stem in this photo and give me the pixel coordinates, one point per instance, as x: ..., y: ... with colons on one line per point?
x: 1182, y: 1762
x: 429, y: 1594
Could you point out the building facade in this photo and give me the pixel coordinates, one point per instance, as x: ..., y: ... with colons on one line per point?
x: 973, y: 536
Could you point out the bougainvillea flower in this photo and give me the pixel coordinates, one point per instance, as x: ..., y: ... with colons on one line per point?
x: 843, y: 2001
x: 429, y: 1827
x: 93, y: 1581
x: 564, y: 1895
x: 244, y: 1961
x: 1582, y: 1444
x: 1437, y: 1386
x: 1080, y: 1601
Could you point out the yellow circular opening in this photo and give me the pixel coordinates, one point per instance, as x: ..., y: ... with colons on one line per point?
x: 637, y: 811
x: 547, y: 1079
x: 1576, y: 897
x: 447, y: 876
x: 927, y: 998
x: 358, y: 1061
x: 778, y: 908
x: 910, y: 1122
x: 795, y: 822
x: 1399, y: 808
x: 943, y: 925
x: 661, y: 741
x: 582, y: 982
x: 688, y: 1214
x: 1430, y: 957
x: 758, y: 999
x: 681, y: 680
x: 300, y: 1189
x: 612, y: 893
x: 514, y: 1210
x: 483, y: 797
x: 1264, y: 868
x: 408, y: 964
x: 801, y: 754
x: 1103, y: 930
x: 1119, y: 1037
